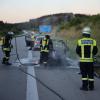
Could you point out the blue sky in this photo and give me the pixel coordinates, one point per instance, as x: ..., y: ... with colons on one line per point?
x: 22, y: 10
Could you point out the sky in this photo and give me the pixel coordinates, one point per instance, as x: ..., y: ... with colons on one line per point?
x: 15, y: 11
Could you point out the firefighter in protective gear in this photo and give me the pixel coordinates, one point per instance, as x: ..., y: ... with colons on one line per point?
x: 45, y: 46
x: 32, y: 42
x: 6, y: 48
x: 87, y: 49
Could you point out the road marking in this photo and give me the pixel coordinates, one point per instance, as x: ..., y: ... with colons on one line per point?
x: 32, y: 93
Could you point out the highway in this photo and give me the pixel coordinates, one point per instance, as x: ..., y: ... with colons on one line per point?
x: 36, y: 82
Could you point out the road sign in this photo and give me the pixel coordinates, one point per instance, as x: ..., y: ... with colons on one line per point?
x: 45, y: 28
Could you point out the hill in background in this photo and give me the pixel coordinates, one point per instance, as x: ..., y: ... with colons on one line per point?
x: 65, y: 25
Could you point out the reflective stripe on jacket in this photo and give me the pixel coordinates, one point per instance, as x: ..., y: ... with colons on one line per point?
x: 86, y: 48
x: 6, y: 49
x: 6, y: 46
x: 32, y: 37
x: 44, y: 46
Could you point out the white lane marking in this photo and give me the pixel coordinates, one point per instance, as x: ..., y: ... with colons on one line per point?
x: 32, y: 93
x: 30, y: 57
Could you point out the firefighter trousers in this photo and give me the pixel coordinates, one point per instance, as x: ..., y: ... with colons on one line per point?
x: 87, y: 71
x: 44, y: 57
x: 6, y: 57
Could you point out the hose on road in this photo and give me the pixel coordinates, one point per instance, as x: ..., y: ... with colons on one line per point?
x: 37, y: 79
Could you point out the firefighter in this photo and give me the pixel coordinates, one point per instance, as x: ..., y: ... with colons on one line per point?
x: 32, y: 42
x: 87, y: 49
x: 6, y: 48
x: 46, y: 46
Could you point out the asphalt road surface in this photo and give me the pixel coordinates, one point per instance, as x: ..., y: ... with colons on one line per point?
x: 61, y: 75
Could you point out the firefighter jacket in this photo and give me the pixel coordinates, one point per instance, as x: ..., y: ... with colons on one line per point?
x: 1, y: 40
x: 86, y: 49
x: 46, y: 45
x: 6, y: 46
x: 32, y: 37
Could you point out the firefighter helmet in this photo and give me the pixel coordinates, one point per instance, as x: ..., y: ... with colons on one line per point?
x: 47, y: 36
x: 10, y: 33
x: 86, y: 30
